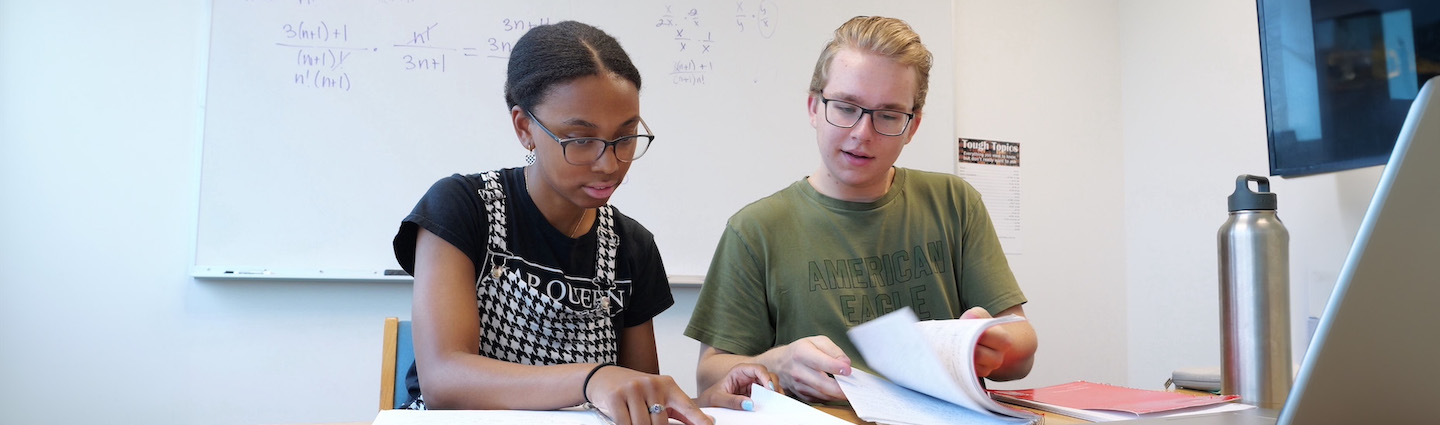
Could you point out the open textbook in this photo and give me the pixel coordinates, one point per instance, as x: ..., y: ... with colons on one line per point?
x: 929, y: 372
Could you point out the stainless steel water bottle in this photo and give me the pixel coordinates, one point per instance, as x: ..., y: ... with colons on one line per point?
x: 1255, y: 298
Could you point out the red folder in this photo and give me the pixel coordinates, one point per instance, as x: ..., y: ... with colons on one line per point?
x: 1092, y: 396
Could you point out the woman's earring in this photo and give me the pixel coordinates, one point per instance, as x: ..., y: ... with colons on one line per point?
x: 530, y: 158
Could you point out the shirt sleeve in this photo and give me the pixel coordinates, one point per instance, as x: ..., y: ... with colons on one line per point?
x: 733, y: 313
x: 650, y: 285
x: 985, y: 278
x: 450, y: 210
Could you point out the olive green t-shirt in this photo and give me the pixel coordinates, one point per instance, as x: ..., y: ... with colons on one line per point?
x: 798, y: 263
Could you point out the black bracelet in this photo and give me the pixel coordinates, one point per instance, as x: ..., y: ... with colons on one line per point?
x: 585, y: 387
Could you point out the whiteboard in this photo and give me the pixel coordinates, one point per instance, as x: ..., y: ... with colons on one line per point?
x: 326, y: 121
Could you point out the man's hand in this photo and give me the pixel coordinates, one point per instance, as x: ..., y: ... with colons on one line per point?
x: 806, y: 367
x: 992, y: 347
x: 734, y: 391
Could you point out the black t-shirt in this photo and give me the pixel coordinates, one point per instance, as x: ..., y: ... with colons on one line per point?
x: 454, y: 210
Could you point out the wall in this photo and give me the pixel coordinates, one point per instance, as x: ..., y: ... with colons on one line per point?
x: 1193, y: 110
x: 98, y: 170
x: 1135, y: 116
x: 1194, y: 121
x: 1046, y: 74
x: 95, y: 147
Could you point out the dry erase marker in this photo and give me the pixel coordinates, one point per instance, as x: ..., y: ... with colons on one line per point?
x: 249, y: 272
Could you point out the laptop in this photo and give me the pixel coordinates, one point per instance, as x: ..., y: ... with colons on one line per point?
x: 1376, y: 354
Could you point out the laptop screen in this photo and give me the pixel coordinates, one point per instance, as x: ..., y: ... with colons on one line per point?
x: 1376, y: 354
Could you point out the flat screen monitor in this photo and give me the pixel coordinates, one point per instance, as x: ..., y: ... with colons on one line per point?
x: 1339, y: 76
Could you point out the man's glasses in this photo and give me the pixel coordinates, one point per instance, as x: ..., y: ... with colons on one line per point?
x: 844, y: 114
x: 587, y: 150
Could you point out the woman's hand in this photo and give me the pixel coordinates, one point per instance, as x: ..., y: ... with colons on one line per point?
x: 734, y: 391
x: 631, y: 397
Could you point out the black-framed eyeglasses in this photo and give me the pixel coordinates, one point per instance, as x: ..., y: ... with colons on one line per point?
x: 844, y: 114
x: 587, y: 150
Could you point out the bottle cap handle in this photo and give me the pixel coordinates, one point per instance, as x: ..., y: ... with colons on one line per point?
x: 1246, y: 199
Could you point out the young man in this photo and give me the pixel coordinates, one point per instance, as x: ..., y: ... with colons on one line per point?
x: 858, y: 238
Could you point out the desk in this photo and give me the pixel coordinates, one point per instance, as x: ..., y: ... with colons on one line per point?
x: 844, y: 412
x: 847, y: 414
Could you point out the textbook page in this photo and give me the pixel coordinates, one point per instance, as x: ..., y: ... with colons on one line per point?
x: 935, y: 359
x: 877, y: 400
x: 953, y: 342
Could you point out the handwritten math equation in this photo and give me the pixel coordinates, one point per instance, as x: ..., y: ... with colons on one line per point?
x: 320, y: 53
x: 323, y: 48
x: 696, y: 35
x: 329, y: 55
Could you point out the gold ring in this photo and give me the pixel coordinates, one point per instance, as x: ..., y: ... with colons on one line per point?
x: 656, y: 408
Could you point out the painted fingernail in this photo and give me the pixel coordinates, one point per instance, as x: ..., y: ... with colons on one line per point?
x: 748, y: 405
x: 770, y: 385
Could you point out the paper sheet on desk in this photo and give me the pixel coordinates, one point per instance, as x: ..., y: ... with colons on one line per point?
x: 770, y: 408
x: 487, y: 417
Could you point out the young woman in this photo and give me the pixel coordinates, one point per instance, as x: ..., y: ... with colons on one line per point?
x: 530, y: 291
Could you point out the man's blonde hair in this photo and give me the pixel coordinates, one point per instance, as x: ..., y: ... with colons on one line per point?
x: 888, y: 37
